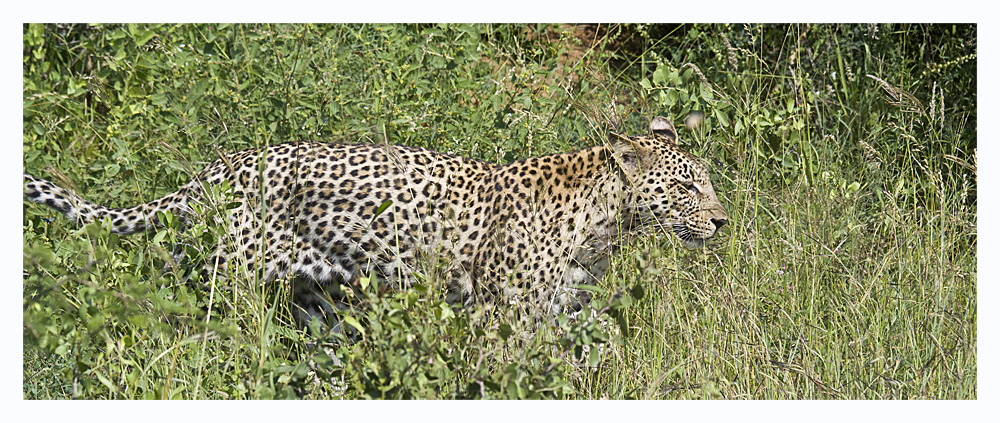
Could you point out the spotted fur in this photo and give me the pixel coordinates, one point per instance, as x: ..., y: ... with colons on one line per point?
x: 529, y: 231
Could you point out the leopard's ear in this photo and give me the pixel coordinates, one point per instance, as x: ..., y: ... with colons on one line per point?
x: 626, y: 150
x: 625, y: 157
x: 663, y: 129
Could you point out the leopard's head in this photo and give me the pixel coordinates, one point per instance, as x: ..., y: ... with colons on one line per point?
x: 667, y: 188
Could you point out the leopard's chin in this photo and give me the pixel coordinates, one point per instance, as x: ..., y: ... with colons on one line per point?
x: 695, y: 243
x: 690, y: 240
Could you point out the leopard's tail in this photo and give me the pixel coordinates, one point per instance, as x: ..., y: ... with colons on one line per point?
x: 121, y: 221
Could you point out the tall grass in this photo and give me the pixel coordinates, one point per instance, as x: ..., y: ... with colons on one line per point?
x: 844, y: 154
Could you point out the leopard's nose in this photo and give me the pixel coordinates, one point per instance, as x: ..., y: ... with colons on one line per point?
x: 719, y: 222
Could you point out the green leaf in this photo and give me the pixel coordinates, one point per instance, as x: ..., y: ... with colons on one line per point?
x: 198, y: 89
x: 107, y: 383
x: 355, y: 324
x: 143, y: 37
x: 159, y: 99
x: 638, y: 292
x: 381, y: 208
x: 706, y: 93
x: 504, y: 331
x: 675, y: 78
x: 723, y: 119
x: 445, y: 312
x: 660, y: 75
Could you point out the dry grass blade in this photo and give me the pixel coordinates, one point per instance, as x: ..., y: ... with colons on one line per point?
x: 899, y: 97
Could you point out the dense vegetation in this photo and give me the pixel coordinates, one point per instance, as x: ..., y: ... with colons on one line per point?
x: 845, y: 155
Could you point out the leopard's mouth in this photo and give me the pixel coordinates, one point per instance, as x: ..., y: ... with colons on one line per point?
x: 694, y: 243
x: 690, y: 240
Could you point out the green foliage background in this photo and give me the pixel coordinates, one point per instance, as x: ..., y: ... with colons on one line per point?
x: 845, y: 154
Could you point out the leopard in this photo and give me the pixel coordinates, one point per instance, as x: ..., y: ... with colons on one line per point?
x: 530, y: 232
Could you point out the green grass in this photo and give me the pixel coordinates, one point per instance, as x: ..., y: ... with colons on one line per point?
x: 844, y: 154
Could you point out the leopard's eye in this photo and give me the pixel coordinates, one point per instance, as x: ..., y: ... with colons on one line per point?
x: 692, y: 187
